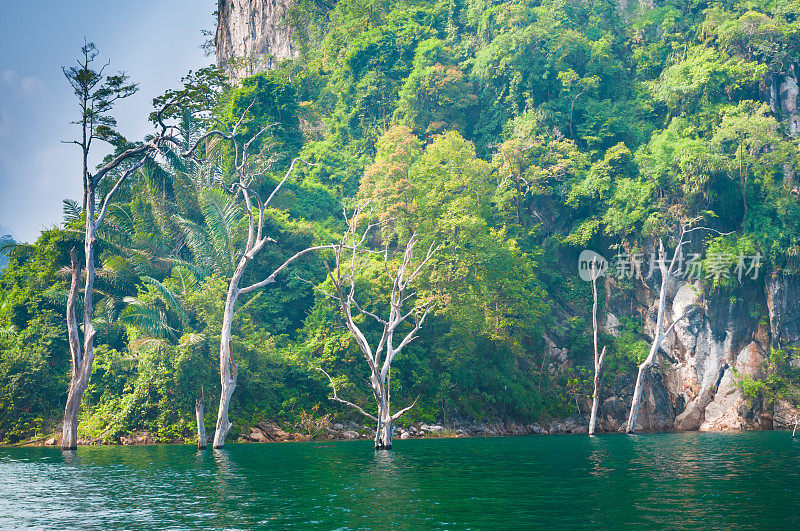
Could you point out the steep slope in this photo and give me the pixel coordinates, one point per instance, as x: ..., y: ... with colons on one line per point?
x: 252, y: 35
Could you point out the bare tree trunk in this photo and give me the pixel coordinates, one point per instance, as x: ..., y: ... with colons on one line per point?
x: 597, y: 362
x: 599, y: 358
x: 228, y: 369
x: 81, y: 361
x: 598, y: 371
x: 70, y: 425
x: 383, y: 433
x: 666, y: 273
x: 200, y: 415
x: 636, y: 402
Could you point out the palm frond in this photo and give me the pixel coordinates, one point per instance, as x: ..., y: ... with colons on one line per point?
x: 72, y: 210
x: 168, y: 297
x: 184, y: 278
x: 146, y: 318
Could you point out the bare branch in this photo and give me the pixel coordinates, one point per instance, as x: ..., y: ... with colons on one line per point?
x: 241, y: 118
x: 687, y: 313
x: 329, y: 295
x: 271, y: 278
x: 405, y: 409
x: 336, y: 398
x: 190, y: 152
x: 110, y: 194
x: 365, y: 312
x: 119, y: 159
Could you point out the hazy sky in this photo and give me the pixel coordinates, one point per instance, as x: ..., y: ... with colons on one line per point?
x: 155, y: 41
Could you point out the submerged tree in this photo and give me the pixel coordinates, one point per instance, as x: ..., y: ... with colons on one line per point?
x: 667, y: 271
x: 97, y: 93
x: 351, y: 256
x: 248, y: 168
x: 599, y: 358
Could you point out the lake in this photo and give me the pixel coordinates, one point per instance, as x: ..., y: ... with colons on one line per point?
x: 647, y: 480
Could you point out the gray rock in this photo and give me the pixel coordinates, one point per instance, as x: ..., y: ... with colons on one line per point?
x: 350, y: 434
x: 256, y: 435
x: 730, y: 409
x: 252, y: 35
x: 782, y: 293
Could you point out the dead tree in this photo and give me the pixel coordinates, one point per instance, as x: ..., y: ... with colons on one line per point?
x: 599, y: 359
x: 349, y: 260
x: 96, y: 95
x: 667, y: 272
x: 247, y: 169
x: 200, y: 415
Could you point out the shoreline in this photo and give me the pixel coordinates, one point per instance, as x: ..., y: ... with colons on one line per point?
x: 270, y: 433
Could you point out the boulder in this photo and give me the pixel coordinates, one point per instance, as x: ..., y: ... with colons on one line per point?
x: 255, y: 435
x: 135, y: 439
x: 730, y: 409
x: 272, y: 431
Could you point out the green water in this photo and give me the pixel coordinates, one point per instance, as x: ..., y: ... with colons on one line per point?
x: 647, y: 481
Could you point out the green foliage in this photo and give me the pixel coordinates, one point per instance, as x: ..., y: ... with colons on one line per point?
x: 779, y: 379
x: 511, y: 134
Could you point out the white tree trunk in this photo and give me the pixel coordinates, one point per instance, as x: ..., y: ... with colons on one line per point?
x: 383, y: 433
x: 597, y: 359
x: 200, y: 414
x: 636, y: 402
x: 81, y: 361
x: 666, y: 272
x: 598, y: 371
x: 228, y: 370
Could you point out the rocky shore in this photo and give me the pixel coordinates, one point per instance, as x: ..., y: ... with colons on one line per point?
x: 264, y: 432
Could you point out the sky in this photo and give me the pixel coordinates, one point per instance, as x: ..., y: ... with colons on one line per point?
x: 155, y: 41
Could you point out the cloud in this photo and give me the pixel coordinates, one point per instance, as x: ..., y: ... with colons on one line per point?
x: 16, y: 97
x: 32, y: 187
x: 22, y: 86
x: 49, y: 167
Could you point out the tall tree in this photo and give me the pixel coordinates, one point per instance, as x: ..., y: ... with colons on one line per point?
x: 599, y: 357
x: 667, y: 270
x: 349, y: 261
x: 97, y: 94
x: 248, y: 168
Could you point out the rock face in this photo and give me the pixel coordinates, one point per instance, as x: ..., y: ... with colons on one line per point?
x: 785, y: 98
x: 252, y: 35
x: 784, y: 312
x: 693, y: 386
x: 730, y: 409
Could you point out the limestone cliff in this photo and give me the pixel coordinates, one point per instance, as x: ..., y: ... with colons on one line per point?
x: 252, y: 35
x: 693, y: 387
x: 784, y: 98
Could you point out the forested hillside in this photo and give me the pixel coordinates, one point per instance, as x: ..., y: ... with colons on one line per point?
x: 511, y: 134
